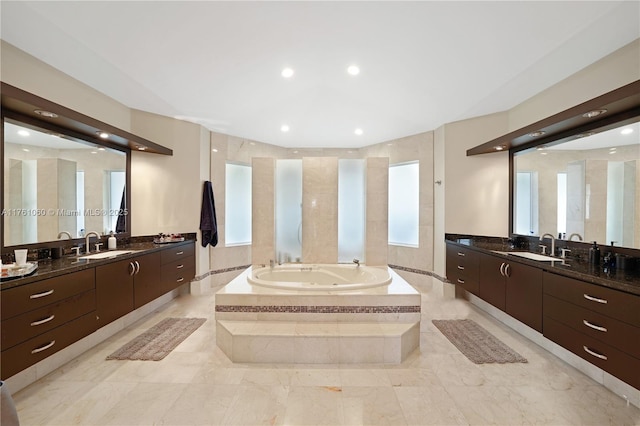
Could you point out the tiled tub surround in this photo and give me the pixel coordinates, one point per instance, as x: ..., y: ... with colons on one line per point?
x: 375, y: 325
x: 576, y: 267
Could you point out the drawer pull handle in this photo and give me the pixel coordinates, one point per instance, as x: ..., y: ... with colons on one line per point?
x: 43, y: 348
x: 179, y: 280
x: 43, y: 321
x: 461, y: 254
x: 460, y: 281
x: 132, y: 267
x: 179, y: 266
x: 179, y: 253
x: 595, y: 327
x: 597, y: 355
x: 461, y: 267
x: 595, y: 299
x: 43, y: 294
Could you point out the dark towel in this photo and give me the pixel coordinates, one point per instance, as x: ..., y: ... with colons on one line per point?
x: 208, y: 224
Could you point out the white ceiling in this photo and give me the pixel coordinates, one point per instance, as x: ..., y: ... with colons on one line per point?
x: 422, y: 64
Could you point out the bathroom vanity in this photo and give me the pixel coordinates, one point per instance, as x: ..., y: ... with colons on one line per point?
x: 68, y: 299
x: 591, y: 313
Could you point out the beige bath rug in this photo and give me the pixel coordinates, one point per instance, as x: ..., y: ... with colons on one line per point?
x: 157, y: 342
x: 476, y: 343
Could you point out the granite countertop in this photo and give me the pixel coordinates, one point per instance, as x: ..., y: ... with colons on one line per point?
x: 49, y: 268
x: 575, y: 266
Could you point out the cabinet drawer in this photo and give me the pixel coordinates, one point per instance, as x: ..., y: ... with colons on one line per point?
x: 612, y: 303
x: 28, y: 297
x: 177, y: 252
x: 613, y: 332
x: 621, y: 365
x: 463, y: 267
x: 175, y: 274
x: 34, y: 350
x: 33, y: 323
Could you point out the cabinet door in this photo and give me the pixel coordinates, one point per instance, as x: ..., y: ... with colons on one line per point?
x: 523, y: 299
x: 114, y: 290
x: 147, y: 280
x: 492, y: 282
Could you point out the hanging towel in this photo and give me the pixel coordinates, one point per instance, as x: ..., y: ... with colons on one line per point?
x: 208, y: 224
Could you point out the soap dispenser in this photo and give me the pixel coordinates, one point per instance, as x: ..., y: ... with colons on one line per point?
x: 594, y: 255
x: 112, y: 242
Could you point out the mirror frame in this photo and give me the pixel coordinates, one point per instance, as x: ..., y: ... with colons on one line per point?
x: 40, y: 125
x: 622, y: 105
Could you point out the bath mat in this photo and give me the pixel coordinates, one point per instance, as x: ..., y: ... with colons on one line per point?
x: 476, y: 343
x: 157, y: 342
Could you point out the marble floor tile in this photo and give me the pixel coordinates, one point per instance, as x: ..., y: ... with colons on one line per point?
x: 436, y: 385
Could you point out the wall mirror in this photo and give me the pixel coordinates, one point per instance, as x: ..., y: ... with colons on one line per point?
x: 54, y: 183
x: 589, y: 186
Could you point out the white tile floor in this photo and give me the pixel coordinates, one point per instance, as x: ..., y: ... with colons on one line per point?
x: 197, y: 385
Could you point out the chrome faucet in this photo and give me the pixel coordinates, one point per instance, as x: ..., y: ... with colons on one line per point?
x: 357, y: 262
x: 577, y: 235
x: 64, y: 233
x: 553, y: 242
x: 86, y: 240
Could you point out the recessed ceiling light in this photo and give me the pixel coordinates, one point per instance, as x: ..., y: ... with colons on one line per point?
x: 612, y: 152
x: 47, y: 114
x: 23, y: 133
x: 214, y: 150
x: 537, y: 133
x: 25, y: 149
x: 585, y: 135
x: 100, y: 149
x: 103, y: 135
x: 287, y: 72
x: 284, y: 128
x: 295, y: 152
x: 612, y: 149
x: 499, y: 148
x: 353, y: 70
x: 627, y: 131
x: 594, y: 113
x: 541, y: 148
x: 358, y: 131
x: 543, y: 153
x: 142, y: 148
x: 94, y: 152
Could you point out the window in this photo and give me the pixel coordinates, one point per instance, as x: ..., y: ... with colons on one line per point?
x: 526, y: 193
x: 237, y: 204
x: 404, y: 202
x: 351, y: 189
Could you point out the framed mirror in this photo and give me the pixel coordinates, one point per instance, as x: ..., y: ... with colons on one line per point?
x: 587, y: 188
x: 60, y: 186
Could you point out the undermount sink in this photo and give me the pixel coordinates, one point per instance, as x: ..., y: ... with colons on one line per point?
x: 532, y: 256
x: 106, y: 254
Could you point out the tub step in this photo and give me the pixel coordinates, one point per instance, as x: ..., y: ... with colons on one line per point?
x: 317, y: 343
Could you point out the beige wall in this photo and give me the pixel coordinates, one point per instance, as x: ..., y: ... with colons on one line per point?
x: 263, y: 222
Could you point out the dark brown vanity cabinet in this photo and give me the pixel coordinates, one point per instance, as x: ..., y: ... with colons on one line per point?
x: 42, y: 318
x: 599, y: 324
x: 463, y: 268
x: 118, y: 283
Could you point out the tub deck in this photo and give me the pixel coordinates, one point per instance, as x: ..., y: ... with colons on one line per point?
x: 259, y: 324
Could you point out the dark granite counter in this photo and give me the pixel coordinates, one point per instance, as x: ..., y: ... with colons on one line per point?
x: 574, y: 266
x: 49, y: 268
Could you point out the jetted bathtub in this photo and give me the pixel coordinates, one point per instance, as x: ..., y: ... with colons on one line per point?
x: 332, y: 277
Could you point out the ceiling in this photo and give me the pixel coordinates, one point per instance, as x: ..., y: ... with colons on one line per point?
x: 422, y: 64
